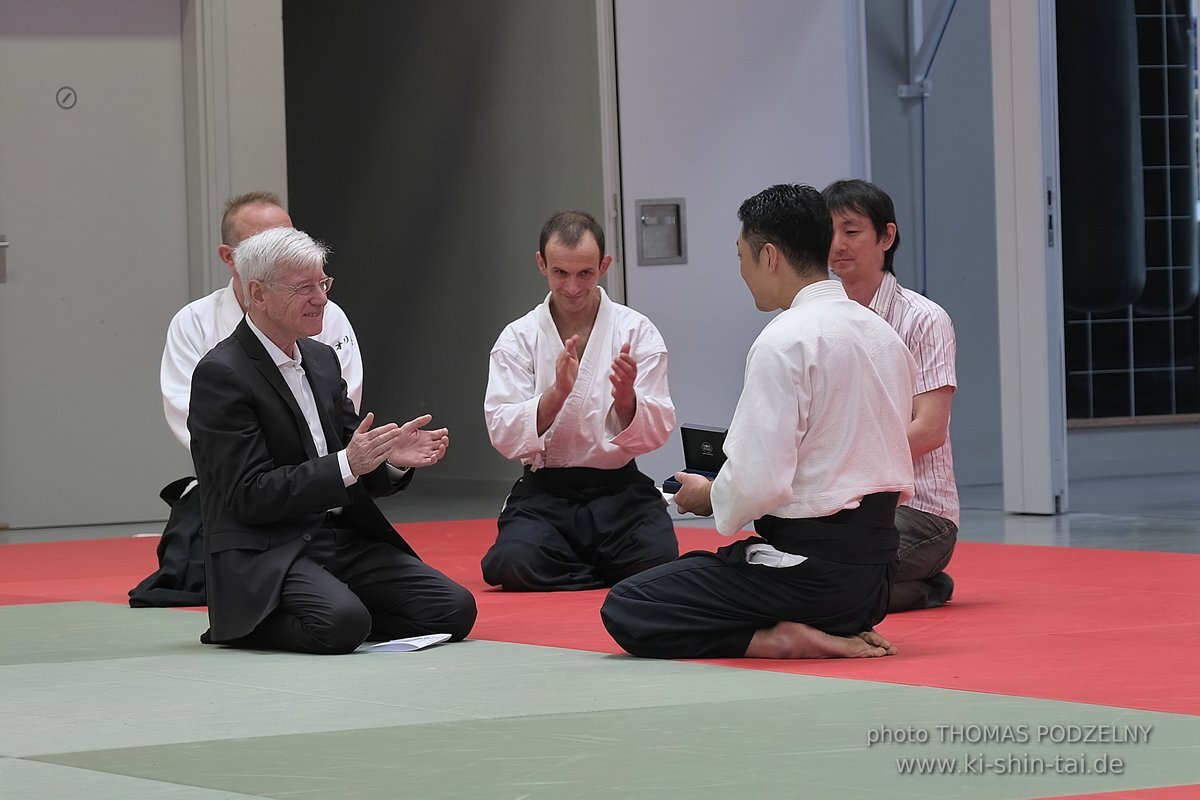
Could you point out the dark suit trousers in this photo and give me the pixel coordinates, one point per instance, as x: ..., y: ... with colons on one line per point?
x: 346, y: 589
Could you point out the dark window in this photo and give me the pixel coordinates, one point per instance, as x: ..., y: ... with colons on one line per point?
x: 1144, y: 359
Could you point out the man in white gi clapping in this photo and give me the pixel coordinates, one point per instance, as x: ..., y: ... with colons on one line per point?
x: 577, y: 389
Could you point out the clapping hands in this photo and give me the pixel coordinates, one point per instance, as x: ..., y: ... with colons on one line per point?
x: 418, y: 447
x: 407, y: 445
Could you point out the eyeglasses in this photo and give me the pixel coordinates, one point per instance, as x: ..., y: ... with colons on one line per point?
x: 324, y: 285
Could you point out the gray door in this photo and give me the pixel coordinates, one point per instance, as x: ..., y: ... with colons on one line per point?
x: 93, y: 205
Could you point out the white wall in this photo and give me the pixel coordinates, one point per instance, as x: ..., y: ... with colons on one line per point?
x: 92, y: 198
x: 719, y: 100
x: 953, y: 183
x: 234, y: 117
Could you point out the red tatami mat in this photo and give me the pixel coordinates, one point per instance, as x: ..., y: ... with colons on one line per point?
x: 1160, y: 793
x: 1107, y: 627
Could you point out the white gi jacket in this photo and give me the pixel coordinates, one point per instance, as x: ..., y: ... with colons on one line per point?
x: 585, y: 433
x: 201, y: 324
x: 823, y: 415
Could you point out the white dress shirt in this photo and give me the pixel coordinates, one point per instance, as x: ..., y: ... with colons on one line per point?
x: 586, y: 432
x: 292, y: 370
x: 199, y: 325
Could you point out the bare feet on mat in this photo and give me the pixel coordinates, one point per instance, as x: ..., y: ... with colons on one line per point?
x: 875, y: 640
x: 797, y: 640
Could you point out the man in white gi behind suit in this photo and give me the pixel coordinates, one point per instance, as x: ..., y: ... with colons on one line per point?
x: 577, y: 388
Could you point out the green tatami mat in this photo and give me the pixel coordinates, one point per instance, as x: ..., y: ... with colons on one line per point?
x: 29, y: 780
x: 57, y: 632
x: 781, y: 747
x: 133, y: 707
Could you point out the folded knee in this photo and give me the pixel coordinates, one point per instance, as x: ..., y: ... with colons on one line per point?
x: 620, y: 620
x: 460, y: 612
x: 513, y: 566
x: 341, y: 631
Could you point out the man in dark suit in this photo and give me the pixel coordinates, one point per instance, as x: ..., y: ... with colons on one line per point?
x: 297, y: 554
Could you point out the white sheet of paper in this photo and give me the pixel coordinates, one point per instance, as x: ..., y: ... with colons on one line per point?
x: 409, y: 644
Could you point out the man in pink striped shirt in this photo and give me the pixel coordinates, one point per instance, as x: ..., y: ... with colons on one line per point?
x: 865, y: 239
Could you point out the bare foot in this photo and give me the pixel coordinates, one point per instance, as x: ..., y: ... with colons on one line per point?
x: 873, y: 638
x: 797, y: 640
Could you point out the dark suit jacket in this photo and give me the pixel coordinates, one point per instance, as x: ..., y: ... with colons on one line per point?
x: 263, y: 487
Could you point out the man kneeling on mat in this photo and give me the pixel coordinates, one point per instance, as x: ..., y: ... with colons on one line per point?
x: 577, y: 389
x: 817, y: 457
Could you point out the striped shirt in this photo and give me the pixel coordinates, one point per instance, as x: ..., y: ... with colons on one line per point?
x: 927, y: 330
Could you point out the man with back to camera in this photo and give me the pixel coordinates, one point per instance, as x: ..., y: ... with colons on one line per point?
x: 193, y: 331
x: 577, y: 388
x: 298, y: 556
x: 865, y: 239
x: 817, y: 458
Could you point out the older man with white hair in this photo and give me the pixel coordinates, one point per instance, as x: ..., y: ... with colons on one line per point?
x: 297, y: 555
x: 194, y: 330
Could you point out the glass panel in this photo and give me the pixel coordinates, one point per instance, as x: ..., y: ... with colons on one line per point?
x: 1144, y: 359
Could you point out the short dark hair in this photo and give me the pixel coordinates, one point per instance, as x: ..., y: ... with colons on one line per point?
x: 236, y: 204
x: 794, y: 218
x: 872, y: 202
x: 569, y: 227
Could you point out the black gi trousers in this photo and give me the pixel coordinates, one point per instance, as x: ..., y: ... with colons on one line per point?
x: 709, y: 605
x: 576, y: 528
x: 179, y: 579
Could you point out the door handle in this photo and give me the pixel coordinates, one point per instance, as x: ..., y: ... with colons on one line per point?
x: 3, y: 259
